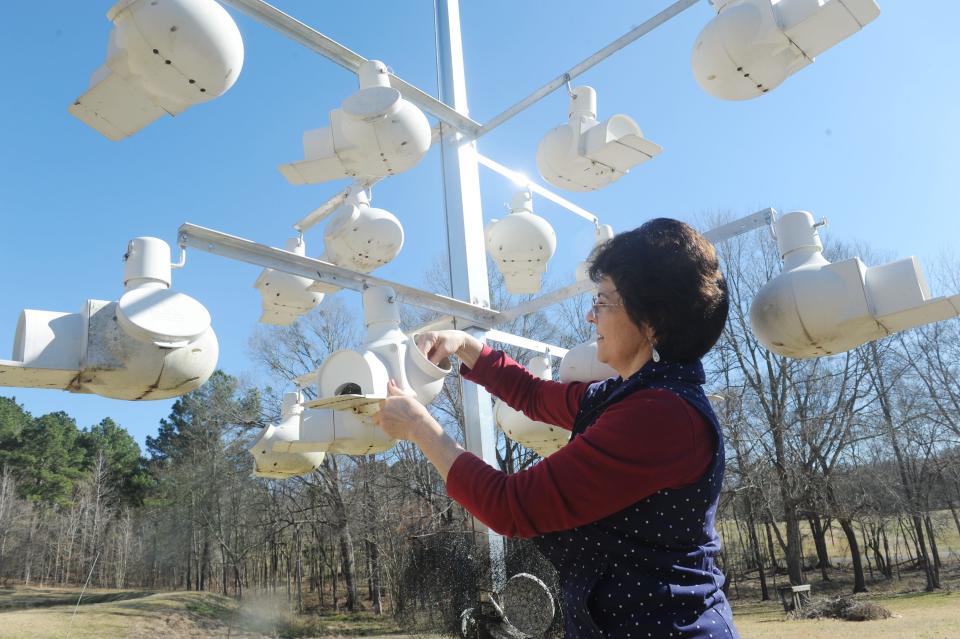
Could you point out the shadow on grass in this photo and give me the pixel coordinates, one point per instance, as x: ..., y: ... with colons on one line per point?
x: 40, y: 598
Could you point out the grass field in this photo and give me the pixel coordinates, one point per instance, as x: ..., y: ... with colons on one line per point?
x: 48, y: 613
x: 915, y: 616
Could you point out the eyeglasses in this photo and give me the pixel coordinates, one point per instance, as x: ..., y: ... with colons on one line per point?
x: 597, y: 305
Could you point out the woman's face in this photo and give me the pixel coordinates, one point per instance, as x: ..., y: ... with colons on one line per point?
x: 620, y: 343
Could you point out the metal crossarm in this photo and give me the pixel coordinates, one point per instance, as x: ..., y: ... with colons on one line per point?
x: 547, y: 299
x: 590, y: 62
x: 323, y: 211
x: 329, y: 48
x: 525, y: 182
x: 743, y: 225
x: 525, y: 342
x: 237, y: 248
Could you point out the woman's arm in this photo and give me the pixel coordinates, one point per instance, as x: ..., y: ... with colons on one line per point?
x: 437, y: 446
x: 539, y: 399
x: 402, y: 417
x: 649, y: 441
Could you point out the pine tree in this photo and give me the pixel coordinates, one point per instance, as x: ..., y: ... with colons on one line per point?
x: 126, y: 466
x: 46, y: 458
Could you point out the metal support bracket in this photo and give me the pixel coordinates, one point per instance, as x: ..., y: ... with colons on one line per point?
x: 743, y: 225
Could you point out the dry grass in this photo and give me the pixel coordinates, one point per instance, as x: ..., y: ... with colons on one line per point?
x: 915, y: 616
x: 49, y: 613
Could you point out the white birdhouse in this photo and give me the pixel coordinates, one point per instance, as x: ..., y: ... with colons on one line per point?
x: 521, y: 244
x: 580, y: 364
x: 360, y: 237
x: 272, y: 464
x: 162, y: 58
x: 544, y: 438
x: 154, y: 343
x: 285, y: 296
x: 374, y: 133
x: 585, y: 154
x: 816, y: 308
x: 350, y: 385
x: 604, y: 233
x: 752, y: 46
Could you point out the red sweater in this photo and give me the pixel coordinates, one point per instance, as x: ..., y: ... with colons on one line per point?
x: 648, y: 441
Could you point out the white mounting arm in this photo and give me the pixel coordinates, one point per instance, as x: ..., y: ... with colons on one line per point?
x: 297, y: 31
x: 525, y: 182
x: 244, y: 250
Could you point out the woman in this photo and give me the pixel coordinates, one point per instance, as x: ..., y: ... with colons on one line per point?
x: 625, y: 511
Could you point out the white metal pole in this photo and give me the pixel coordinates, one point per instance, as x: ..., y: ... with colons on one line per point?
x: 465, y: 243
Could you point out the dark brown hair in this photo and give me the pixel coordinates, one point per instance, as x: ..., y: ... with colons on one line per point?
x: 669, y: 278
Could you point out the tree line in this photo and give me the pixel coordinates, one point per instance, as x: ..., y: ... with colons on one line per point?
x: 868, y: 440
x: 866, y: 443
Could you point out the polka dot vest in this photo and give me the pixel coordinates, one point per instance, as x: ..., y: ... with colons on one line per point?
x: 648, y: 570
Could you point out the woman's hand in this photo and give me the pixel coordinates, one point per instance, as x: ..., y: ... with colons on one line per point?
x: 400, y: 415
x: 439, y: 345
x: 403, y: 417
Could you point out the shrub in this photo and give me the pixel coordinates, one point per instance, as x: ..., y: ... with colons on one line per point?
x: 844, y: 608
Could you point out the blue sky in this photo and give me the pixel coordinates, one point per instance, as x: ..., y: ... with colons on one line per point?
x: 866, y: 137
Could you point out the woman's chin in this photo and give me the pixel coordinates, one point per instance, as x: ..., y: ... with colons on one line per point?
x: 601, y: 354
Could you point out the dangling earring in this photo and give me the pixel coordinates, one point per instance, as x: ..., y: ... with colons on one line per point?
x: 654, y: 354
